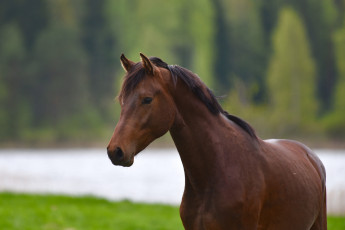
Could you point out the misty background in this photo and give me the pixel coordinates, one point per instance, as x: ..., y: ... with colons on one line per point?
x: 279, y: 64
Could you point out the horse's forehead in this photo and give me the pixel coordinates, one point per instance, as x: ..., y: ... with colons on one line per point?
x: 145, y: 88
x: 140, y: 83
x: 150, y: 82
x: 147, y: 85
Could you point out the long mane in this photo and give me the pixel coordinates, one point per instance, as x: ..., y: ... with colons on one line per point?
x: 193, y: 82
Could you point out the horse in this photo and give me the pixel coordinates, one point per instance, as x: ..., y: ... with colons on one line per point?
x: 233, y: 179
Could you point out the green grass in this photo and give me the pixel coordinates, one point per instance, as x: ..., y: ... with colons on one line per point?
x: 51, y: 212
x: 336, y: 223
x: 55, y: 212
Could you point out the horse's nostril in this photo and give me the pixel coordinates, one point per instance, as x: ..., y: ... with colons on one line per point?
x: 119, y: 154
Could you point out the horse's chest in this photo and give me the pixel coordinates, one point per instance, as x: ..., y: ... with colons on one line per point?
x: 207, y: 214
x: 196, y: 220
x: 218, y: 211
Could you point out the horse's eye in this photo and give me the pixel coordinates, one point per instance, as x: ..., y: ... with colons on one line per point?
x: 146, y: 100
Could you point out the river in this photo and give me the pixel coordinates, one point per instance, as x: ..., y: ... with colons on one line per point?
x: 156, y: 176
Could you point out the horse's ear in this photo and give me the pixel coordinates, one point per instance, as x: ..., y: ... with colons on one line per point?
x: 126, y: 64
x: 147, y: 64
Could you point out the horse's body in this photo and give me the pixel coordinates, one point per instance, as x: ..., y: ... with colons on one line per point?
x: 233, y: 179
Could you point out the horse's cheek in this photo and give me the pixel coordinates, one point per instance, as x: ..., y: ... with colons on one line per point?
x: 161, y: 122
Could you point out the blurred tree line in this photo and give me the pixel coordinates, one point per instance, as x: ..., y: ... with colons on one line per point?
x: 280, y: 63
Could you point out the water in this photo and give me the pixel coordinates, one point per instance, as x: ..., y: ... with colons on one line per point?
x: 156, y: 176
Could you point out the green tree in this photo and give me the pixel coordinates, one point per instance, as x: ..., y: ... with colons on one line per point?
x: 291, y: 76
x: 240, y: 46
x: 15, y: 112
x: 248, y: 46
x: 177, y: 31
x: 59, y: 73
x: 198, y: 39
x: 335, y: 121
x: 30, y: 17
x: 222, y: 47
x: 320, y: 19
x: 100, y: 45
x: 339, y: 100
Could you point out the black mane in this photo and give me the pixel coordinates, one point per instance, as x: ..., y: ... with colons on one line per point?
x: 193, y: 82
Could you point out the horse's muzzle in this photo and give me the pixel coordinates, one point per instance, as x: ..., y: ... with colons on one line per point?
x: 117, y: 157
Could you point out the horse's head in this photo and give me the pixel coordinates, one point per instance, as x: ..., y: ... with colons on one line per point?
x: 147, y: 110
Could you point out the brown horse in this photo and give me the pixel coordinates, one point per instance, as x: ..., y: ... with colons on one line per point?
x: 233, y: 179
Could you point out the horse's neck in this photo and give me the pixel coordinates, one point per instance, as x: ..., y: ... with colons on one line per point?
x: 198, y: 135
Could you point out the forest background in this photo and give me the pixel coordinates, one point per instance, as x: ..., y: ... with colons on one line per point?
x: 279, y: 64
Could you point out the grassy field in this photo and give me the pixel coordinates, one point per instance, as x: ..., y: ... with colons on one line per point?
x: 51, y: 212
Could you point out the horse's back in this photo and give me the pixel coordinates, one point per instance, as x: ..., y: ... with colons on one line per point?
x: 300, y: 150
x: 296, y: 180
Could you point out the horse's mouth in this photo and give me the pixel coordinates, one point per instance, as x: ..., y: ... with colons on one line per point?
x: 130, y: 162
